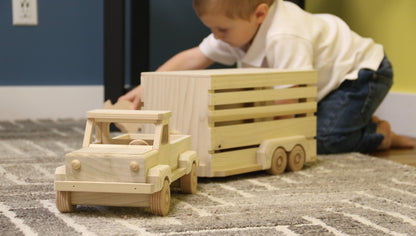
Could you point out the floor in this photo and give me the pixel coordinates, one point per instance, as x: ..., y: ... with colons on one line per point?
x: 404, y: 156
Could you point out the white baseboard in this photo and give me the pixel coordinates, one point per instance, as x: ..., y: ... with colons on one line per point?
x: 54, y: 102
x: 49, y: 102
x: 400, y: 110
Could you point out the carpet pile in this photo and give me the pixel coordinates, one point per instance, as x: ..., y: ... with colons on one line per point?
x: 350, y: 194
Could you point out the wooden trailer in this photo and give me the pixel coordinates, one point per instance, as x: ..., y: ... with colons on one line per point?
x: 235, y: 123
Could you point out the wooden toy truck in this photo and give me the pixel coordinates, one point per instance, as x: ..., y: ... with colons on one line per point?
x: 235, y: 123
x: 127, y: 170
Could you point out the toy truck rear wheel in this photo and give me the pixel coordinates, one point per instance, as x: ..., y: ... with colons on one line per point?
x: 279, y: 162
x: 160, y: 201
x: 189, y: 182
x: 296, y: 158
x: 63, y: 202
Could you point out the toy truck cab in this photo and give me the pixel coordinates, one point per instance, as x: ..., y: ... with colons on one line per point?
x: 132, y: 169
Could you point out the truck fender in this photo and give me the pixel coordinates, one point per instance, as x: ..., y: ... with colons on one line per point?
x: 186, y: 159
x: 268, y: 146
x: 157, y: 176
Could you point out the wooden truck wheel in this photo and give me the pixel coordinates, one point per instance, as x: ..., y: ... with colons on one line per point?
x: 138, y: 142
x: 160, y: 201
x: 63, y: 202
x: 296, y: 158
x: 189, y: 182
x: 279, y: 162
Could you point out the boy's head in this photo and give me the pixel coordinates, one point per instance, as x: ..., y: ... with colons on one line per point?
x: 232, y: 9
x: 233, y: 21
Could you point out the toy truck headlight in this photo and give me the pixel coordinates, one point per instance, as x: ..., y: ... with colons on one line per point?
x: 76, y: 164
x: 134, y: 166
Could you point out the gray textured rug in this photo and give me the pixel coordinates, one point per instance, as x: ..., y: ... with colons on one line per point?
x: 339, y: 195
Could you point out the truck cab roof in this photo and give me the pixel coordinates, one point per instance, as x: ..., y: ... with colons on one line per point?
x: 142, y: 116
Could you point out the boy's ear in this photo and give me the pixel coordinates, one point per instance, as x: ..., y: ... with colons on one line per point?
x: 261, y: 12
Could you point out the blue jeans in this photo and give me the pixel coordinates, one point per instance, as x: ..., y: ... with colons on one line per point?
x: 345, y: 115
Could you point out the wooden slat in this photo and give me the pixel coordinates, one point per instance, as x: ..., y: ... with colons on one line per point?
x: 252, y: 80
x: 128, y: 115
x: 234, y: 158
x: 234, y: 162
x: 104, y: 187
x: 229, y: 171
x: 261, y: 111
x: 261, y: 95
x: 312, y: 150
x: 88, y: 130
x: 232, y: 136
x: 110, y: 199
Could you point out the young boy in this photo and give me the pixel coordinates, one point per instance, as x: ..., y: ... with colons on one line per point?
x: 354, y: 75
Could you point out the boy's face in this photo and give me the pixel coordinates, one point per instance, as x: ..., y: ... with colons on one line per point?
x: 236, y: 32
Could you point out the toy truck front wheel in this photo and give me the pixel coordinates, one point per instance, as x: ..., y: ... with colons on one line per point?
x: 160, y: 201
x: 63, y: 202
x: 189, y: 181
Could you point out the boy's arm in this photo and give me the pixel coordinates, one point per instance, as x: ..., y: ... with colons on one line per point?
x: 191, y: 59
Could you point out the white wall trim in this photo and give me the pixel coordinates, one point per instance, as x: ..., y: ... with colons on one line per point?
x: 55, y: 102
x: 49, y: 102
x: 400, y: 110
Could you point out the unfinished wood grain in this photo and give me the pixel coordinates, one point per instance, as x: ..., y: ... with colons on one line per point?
x: 261, y: 111
x: 232, y: 108
x: 113, y: 168
x: 104, y: 187
x: 253, y: 80
x: 187, y: 98
x: 241, y: 135
x: 103, y: 115
x: 123, y: 105
x: 260, y: 95
x: 89, y: 130
x: 110, y: 199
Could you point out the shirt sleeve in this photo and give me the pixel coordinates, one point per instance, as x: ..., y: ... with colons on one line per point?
x: 289, y: 52
x: 217, y: 50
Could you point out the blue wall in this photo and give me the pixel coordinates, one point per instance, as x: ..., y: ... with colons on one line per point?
x: 174, y: 27
x: 66, y: 48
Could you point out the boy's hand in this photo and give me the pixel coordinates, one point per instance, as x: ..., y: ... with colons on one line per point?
x: 133, y: 96
x: 190, y: 59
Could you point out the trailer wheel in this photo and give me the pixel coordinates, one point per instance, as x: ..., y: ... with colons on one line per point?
x: 296, y: 158
x: 63, y: 202
x: 189, y: 182
x: 160, y: 201
x: 279, y: 162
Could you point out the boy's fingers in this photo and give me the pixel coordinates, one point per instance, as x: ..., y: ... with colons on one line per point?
x: 136, y: 103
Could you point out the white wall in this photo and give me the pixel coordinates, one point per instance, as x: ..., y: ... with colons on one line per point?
x: 400, y: 110
x: 49, y: 102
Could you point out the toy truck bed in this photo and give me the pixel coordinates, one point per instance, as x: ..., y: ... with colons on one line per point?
x: 231, y: 115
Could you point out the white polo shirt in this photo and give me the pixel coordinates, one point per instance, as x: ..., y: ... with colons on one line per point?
x: 291, y: 38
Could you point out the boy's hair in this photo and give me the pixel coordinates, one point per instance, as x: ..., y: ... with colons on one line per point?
x: 232, y: 9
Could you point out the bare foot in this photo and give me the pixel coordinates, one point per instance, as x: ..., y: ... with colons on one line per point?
x: 391, y: 139
x: 376, y: 119
x: 399, y: 141
x: 383, y: 127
